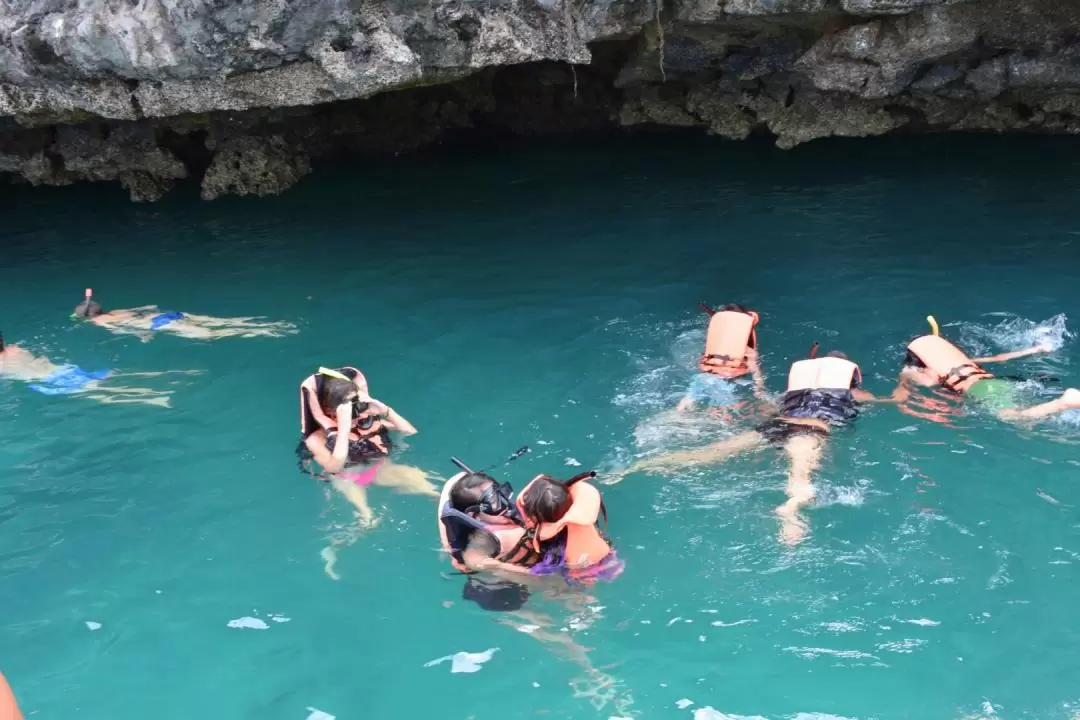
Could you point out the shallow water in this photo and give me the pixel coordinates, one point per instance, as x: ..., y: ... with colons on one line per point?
x: 545, y: 294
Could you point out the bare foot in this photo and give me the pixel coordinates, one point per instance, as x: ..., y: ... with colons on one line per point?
x: 329, y: 556
x: 792, y: 527
x: 368, y: 520
x: 613, y: 478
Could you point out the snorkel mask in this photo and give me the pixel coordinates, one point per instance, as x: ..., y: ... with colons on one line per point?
x: 498, y: 500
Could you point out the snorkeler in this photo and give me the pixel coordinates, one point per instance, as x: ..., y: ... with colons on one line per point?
x: 334, y: 399
x: 48, y: 378
x: 550, y: 529
x: 730, y: 353
x: 822, y: 393
x: 147, y: 320
x: 933, y: 361
x: 481, y: 531
x: 9, y: 709
x: 484, y: 534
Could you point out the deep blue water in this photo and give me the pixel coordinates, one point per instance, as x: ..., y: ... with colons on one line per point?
x: 545, y: 294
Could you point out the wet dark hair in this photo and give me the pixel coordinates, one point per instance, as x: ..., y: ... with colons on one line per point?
x: 87, y: 309
x: 734, y: 307
x: 334, y: 392
x: 547, y: 500
x: 468, y: 491
x: 836, y: 354
x: 1, y: 342
x: 912, y: 360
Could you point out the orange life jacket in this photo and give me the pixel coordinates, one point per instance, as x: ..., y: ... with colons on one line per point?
x: 455, y: 528
x: 585, y: 545
x: 729, y: 338
x: 9, y: 709
x: 824, y: 373
x: 312, y: 416
x: 955, y: 370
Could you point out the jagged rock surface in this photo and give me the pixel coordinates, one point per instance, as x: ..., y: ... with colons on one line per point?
x: 243, y: 94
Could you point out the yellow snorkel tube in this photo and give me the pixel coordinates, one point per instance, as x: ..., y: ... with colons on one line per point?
x: 934, y: 330
x: 333, y: 373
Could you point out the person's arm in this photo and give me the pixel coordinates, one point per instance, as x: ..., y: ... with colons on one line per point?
x: 899, y: 395
x: 481, y: 562
x: 753, y: 362
x: 334, y: 460
x: 1015, y: 354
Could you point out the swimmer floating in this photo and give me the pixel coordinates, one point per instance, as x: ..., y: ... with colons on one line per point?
x: 148, y: 320
x: 933, y: 361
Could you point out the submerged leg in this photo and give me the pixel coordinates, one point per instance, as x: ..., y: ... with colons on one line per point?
x: 1069, y: 400
x: 804, y: 453
x: 358, y: 497
x: 744, y: 442
x: 406, y: 479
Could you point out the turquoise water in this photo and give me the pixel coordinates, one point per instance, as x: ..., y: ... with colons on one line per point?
x: 545, y: 295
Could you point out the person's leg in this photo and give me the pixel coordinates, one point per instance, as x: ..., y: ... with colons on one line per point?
x: 1069, y: 400
x: 804, y: 453
x: 751, y: 440
x: 357, y: 495
x: 406, y: 479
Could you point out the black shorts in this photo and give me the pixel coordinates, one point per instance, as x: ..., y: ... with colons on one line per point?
x: 778, y: 430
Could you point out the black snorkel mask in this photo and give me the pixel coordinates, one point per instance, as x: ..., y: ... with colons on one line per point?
x: 497, y: 498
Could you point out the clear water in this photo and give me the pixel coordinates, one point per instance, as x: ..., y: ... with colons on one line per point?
x: 545, y: 294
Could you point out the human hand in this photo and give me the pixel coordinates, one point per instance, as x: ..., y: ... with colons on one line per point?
x: 1044, y: 347
x: 901, y: 393
x: 344, y: 414
x: 375, y: 407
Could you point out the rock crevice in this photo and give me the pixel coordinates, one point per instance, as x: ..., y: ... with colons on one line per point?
x: 131, y: 92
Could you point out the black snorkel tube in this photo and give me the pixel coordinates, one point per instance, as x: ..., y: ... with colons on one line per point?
x: 516, y: 454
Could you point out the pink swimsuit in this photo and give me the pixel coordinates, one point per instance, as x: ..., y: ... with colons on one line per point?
x: 363, y: 479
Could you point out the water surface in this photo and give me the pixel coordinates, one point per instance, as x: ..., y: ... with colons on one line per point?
x: 545, y: 294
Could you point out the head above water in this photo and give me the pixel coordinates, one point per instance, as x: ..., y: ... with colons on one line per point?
x: 87, y: 308
x: 735, y: 307
x: 336, y: 389
x: 546, y: 499
x: 836, y: 354
x: 467, y: 491
x: 1, y: 342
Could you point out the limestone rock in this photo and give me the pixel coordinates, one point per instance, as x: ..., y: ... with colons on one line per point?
x: 253, y: 166
x: 880, y: 58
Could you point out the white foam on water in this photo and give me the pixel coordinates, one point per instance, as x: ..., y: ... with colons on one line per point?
x: 1015, y: 333
x: 528, y: 629
x: 925, y: 622
x: 906, y: 645
x: 249, y: 623
x: 280, y: 618
x: 573, y: 462
x: 319, y: 715
x: 841, y: 626
x: 812, y: 653
x: 684, y: 703
x: 722, y: 624
x: 91, y: 625
x: 464, y: 662
x: 839, y: 495
x: 711, y: 713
